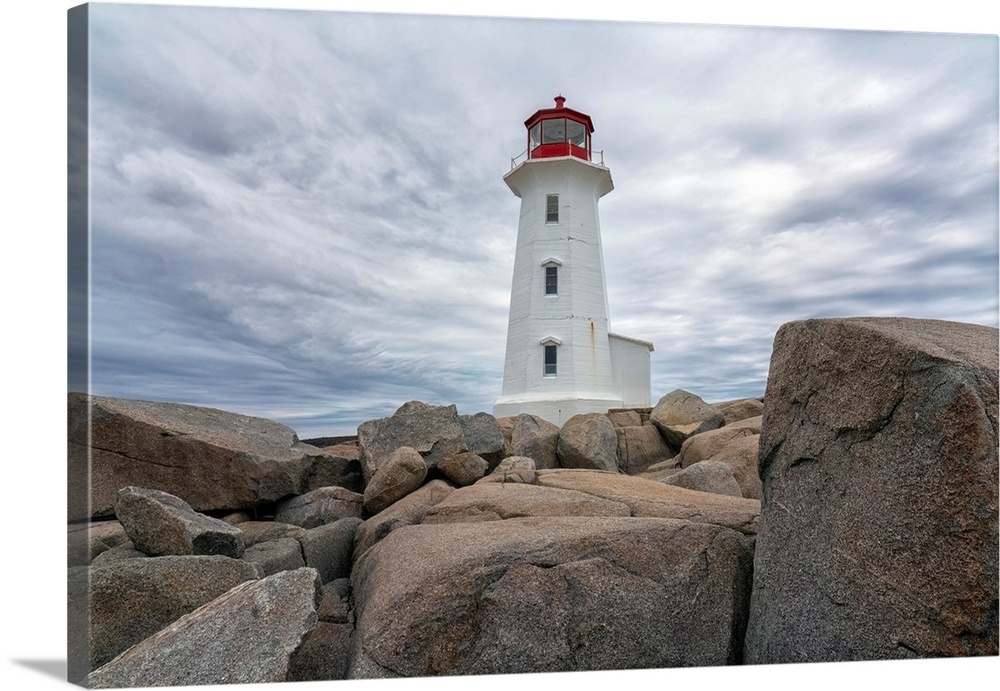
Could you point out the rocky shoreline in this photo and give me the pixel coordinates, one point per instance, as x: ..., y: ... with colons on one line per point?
x: 849, y: 514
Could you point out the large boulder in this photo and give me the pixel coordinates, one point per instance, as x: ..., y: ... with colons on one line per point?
x: 588, y: 440
x: 401, y: 473
x: 878, y: 456
x: 158, y: 524
x: 435, y: 432
x: 491, y: 501
x: 319, y: 507
x: 134, y: 598
x: 680, y: 415
x: 211, y: 459
x: 535, y: 438
x: 247, y: 635
x: 641, y: 447
x: 550, y: 594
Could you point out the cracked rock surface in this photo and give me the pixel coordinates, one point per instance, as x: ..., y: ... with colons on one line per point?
x: 213, y: 459
x: 547, y: 594
x: 878, y: 456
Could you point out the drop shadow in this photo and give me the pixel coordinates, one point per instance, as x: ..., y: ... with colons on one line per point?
x: 50, y: 668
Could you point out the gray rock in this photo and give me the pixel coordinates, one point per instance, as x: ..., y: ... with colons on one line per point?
x: 878, y: 455
x: 123, y: 551
x: 246, y: 635
x: 492, y: 501
x: 483, y: 437
x: 705, y: 445
x: 740, y: 456
x: 335, y: 602
x: 263, y: 531
x: 132, y: 599
x: 409, y: 510
x: 398, y: 475
x: 283, y: 554
x: 319, y: 507
x: 625, y: 418
x: 550, y: 594
x: 158, y: 524
x: 680, y: 415
x: 329, y: 548
x: 588, y: 440
x: 535, y: 438
x: 434, y: 432
x: 339, y: 466
x: 324, y: 654
x: 707, y: 476
x: 211, y: 459
x: 513, y: 469
x: 740, y: 409
x: 464, y: 469
x: 641, y: 447
x: 507, y: 430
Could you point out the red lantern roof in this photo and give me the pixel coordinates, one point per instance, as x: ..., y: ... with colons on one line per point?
x: 559, y: 131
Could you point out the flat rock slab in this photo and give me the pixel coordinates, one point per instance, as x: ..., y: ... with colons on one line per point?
x: 648, y: 498
x: 245, y: 636
x: 212, y: 459
x: 878, y: 455
x: 549, y: 594
x: 492, y: 501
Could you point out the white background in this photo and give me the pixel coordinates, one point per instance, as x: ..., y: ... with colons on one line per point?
x: 33, y: 169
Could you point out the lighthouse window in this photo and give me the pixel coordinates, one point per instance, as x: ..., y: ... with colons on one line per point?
x: 534, y: 136
x: 550, y: 361
x: 576, y: 133
x: 551, y: 280
x: 552, y: 208
x: 553, y: 131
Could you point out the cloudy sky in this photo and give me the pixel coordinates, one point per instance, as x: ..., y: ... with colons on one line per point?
x: 301, y: 214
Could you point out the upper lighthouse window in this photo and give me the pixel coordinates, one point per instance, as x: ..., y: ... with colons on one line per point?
x: 553, y: 131
x: 535, y: 136
x: 576, y: 133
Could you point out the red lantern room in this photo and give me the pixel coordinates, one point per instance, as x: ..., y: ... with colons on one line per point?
x: 559, y: 131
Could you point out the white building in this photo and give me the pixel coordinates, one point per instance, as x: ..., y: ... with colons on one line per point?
x: 561, y: 357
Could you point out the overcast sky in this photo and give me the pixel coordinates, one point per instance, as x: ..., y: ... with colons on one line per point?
x: 301, y: 214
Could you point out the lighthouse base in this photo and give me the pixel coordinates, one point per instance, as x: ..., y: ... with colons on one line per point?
x: 554, y: 410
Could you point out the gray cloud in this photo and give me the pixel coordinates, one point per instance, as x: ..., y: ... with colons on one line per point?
x: 301, y: 214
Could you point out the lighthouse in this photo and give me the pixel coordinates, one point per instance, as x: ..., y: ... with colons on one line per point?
x: 562, y: 359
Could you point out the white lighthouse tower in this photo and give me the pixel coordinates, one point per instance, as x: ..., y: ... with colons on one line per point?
x: 561, y: 357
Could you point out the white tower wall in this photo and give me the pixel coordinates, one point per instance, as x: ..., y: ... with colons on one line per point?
x: 576, y: 318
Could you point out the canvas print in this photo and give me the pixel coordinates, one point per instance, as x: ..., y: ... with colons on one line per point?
x: 410, y: 346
